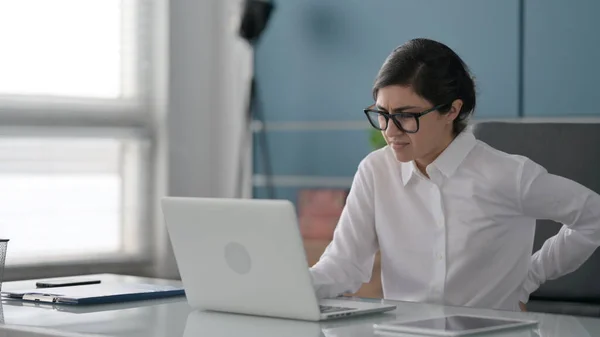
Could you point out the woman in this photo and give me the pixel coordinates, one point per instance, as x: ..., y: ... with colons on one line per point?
x: 453, y: 218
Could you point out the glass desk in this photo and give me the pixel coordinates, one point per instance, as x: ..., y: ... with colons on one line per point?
x: 174, y: 318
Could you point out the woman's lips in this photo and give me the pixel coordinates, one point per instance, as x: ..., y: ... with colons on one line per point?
x: 399, y: 145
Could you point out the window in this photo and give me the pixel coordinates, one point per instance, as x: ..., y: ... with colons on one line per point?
x: 66, y: 198
x: 75, y: 129
x: 61, y: 48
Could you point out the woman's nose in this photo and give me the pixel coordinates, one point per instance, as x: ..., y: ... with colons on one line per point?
x: 392, y: 130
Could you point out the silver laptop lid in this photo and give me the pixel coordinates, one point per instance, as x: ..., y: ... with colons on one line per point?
x: 242, y: 256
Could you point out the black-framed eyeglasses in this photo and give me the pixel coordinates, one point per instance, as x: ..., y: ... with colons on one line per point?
x: 405, y: 121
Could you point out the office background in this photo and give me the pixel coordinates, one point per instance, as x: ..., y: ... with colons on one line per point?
x: 318, y: 60
x: 185, y: 134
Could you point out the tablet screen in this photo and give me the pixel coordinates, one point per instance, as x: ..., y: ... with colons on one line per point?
x: 457, y: 323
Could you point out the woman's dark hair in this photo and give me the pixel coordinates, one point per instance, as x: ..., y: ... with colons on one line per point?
x: 435, y: 72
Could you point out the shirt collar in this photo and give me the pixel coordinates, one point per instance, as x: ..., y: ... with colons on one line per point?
x: 408, y: 171
x: 448, y: 161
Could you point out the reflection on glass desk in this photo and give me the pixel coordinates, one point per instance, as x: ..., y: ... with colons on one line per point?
x: 174, y: 318
x: 230, y: 325
x: 201, y: 323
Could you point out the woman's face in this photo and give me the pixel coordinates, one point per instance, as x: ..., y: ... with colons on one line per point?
x: 435, y: 130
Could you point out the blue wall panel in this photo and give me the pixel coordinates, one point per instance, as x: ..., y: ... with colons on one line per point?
x: 314, y: 153
x: 562, y: 55
x: 318, y: 58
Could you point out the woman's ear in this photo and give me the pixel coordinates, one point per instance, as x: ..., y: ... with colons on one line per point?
x: 454, y: 110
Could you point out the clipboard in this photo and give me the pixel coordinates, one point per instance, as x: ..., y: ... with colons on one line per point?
x: 96, y: 293
x: 85, y: 309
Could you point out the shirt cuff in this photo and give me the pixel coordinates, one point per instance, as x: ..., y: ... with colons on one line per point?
x: 528, y: 287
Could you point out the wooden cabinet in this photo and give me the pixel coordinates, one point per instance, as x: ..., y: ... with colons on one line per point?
x: 314, y: 250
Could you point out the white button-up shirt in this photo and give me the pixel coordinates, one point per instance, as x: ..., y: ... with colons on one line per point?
x: 462, y: 237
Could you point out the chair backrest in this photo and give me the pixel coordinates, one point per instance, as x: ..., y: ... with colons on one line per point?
x: 565, y: 149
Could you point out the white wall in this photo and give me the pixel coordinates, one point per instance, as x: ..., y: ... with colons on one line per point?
x: 207, y: 64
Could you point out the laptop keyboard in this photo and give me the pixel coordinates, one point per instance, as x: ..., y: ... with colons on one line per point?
x: 325, y: 309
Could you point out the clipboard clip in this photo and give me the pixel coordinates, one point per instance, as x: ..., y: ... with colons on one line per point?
x: 46, y: 298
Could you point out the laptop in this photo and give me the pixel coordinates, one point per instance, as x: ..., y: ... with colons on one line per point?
x: 246, y: 256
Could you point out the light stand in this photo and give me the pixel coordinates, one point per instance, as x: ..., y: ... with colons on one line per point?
x: 254, y: 20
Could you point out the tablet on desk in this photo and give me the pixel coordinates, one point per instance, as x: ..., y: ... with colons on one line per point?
x: 455, y: 325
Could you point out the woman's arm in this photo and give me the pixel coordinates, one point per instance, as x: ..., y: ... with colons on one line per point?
x: 348, y: 260
x: 547, y: 196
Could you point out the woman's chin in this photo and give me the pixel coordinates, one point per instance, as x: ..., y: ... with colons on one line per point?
x: 403, y: 156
